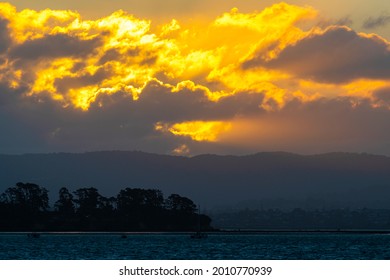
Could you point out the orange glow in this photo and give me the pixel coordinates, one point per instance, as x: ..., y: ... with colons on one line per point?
x: 364, y: 88
x: 197, y: 130
x: 181, y: 150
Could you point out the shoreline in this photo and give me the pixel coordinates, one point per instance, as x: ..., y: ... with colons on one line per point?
x: 215, y: 232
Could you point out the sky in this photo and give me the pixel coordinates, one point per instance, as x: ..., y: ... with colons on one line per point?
x: 188, y: 77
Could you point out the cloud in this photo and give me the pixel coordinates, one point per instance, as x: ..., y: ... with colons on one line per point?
x: 382, y: 96
x: 5, y: 40
x: 115, y: 121
x: 344, y: 21
x: 75, y: 60
x: 37, y: 124
x: 337, y: 55
x: 169, y: 104
x: 53, y: 46
x: 240, y: 83
x: 380, y: 21
x: 342, y: 124
x: 64, y: 84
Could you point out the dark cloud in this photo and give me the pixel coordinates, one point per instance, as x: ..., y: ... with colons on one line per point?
x: 383, y: 95
x: 24, y: 121
x: 114, y: 54
x: 323, y: 125
x: 186, y: 105
x: 117, y: 122
x: 5, y: 39
x: 110, y: 55
x: 338, y: 55
x: 346, y: 21
x: 8, y: 96
x: 54, y: 46
x: 374, y: 22
x: 64, y: 84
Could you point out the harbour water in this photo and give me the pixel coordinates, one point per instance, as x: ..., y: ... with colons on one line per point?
x: 254, y: 246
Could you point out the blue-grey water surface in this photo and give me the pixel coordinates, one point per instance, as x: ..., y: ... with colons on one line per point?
x: 295, y: 246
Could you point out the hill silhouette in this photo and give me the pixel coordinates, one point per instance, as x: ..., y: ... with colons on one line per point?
x: 272, y: 179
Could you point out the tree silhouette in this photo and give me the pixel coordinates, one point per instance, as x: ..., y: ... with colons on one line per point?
x: 176, y: 202
x: 181, y: 212
x: 138, y: 199
x: 87, y: 201
x: 107, y: 205
x: 24, y: 205
x: 27, y: 197
x: 140, y: 208
x: 64, y: 204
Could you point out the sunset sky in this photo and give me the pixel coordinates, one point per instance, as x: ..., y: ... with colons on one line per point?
x: 187, y: 77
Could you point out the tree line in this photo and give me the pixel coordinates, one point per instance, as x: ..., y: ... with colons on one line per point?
x: 25, y: 207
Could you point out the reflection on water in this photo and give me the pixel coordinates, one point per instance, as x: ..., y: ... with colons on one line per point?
x: 181, y: 246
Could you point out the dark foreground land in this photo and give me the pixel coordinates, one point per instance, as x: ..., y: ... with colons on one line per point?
x: 25, y: 207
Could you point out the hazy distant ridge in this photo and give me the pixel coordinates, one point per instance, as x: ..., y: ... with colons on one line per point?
x: 275, y: 178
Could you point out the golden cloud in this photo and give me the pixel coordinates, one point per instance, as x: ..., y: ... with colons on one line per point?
x: 78, y: 62
x: 63, y: 45
x: 198, y: 130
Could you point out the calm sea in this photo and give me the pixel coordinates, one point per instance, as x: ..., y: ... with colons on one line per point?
x: 295, y: 246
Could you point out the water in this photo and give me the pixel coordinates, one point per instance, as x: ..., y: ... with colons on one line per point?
x: 295, y: 246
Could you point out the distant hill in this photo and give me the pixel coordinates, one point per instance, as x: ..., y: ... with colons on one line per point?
x: 272, y: 179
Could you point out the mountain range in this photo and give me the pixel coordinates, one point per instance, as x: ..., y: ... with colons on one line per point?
x: 266, y: 180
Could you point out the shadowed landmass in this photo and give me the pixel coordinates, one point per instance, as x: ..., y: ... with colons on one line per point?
x: 270, y: 180
x: 25, y: 207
